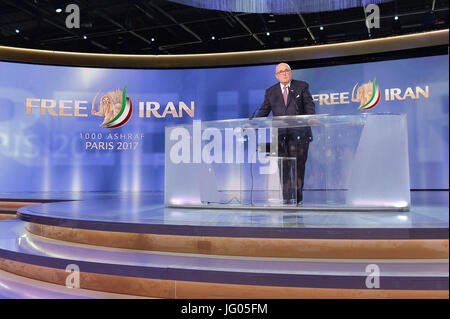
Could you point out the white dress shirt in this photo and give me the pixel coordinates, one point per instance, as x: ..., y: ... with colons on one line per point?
x: 282, y: 87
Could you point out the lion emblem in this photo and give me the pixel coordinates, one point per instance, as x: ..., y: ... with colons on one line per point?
x: 363, y: 94
x: 368, y: 95
x: 110, y: 105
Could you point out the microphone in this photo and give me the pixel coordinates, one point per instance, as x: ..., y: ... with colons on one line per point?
x: 253, y: 114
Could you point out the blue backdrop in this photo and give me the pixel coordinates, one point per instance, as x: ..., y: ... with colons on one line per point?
x: 428, y: 120
x: 48, y: 153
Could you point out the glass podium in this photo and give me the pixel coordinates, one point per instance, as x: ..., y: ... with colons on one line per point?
x: 355, y: 162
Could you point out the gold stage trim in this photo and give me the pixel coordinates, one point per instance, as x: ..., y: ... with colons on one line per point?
x: 15, y: 205
x: 253, y: 247
x: 12, y: 206
x: 6, y: 216
x: 200, y: 290
x: 402, y: 42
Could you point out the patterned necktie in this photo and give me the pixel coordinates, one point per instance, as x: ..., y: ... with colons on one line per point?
x: 285, y: 95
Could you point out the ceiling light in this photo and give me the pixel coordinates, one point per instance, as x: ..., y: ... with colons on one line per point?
x: 59, y: 10
x: 17, y: 30
x: 396, y: 18
x: 84, y: 37
x: 153, y: 39
x: 213, y: 38
x: 321, y: 28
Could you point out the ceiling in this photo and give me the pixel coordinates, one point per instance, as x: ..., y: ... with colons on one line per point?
x: 164, y: 27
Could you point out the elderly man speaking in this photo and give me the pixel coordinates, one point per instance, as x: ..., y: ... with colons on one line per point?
x: 290, y: 97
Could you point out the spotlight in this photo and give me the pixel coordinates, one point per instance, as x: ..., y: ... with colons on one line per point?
x: 152, y: 39
x: 396, y: 18
x: 84, y: 37
x: 59, y: 10
x: 321, y: 28
x: 17, y: 31
x: 213, y: 38
x: 268, y: 33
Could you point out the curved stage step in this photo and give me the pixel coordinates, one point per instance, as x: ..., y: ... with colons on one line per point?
x: 166, y: 275
x: 18, y: 287
x: 144, y: 223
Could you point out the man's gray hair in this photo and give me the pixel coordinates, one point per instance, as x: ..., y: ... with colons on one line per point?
x: 286, y: 64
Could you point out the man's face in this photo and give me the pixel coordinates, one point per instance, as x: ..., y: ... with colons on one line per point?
x: 283, y: 73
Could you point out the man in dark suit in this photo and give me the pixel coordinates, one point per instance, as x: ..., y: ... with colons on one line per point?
x: 290, y: 97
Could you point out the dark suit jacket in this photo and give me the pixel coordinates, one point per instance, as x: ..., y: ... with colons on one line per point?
x: 299, y: 102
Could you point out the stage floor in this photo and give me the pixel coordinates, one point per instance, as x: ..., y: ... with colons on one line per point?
x: 147, y: 249
x: 145, y: 213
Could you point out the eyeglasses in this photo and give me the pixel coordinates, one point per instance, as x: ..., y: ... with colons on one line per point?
x: 283, y: 71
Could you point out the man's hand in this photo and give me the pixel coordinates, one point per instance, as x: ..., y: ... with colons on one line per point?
x: 314, y: 122
x: 247, y: 125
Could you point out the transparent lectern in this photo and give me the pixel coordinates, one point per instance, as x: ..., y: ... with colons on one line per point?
x: 355, y: 162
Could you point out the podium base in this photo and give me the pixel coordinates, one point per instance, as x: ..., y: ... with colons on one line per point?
x: 292, y: 207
